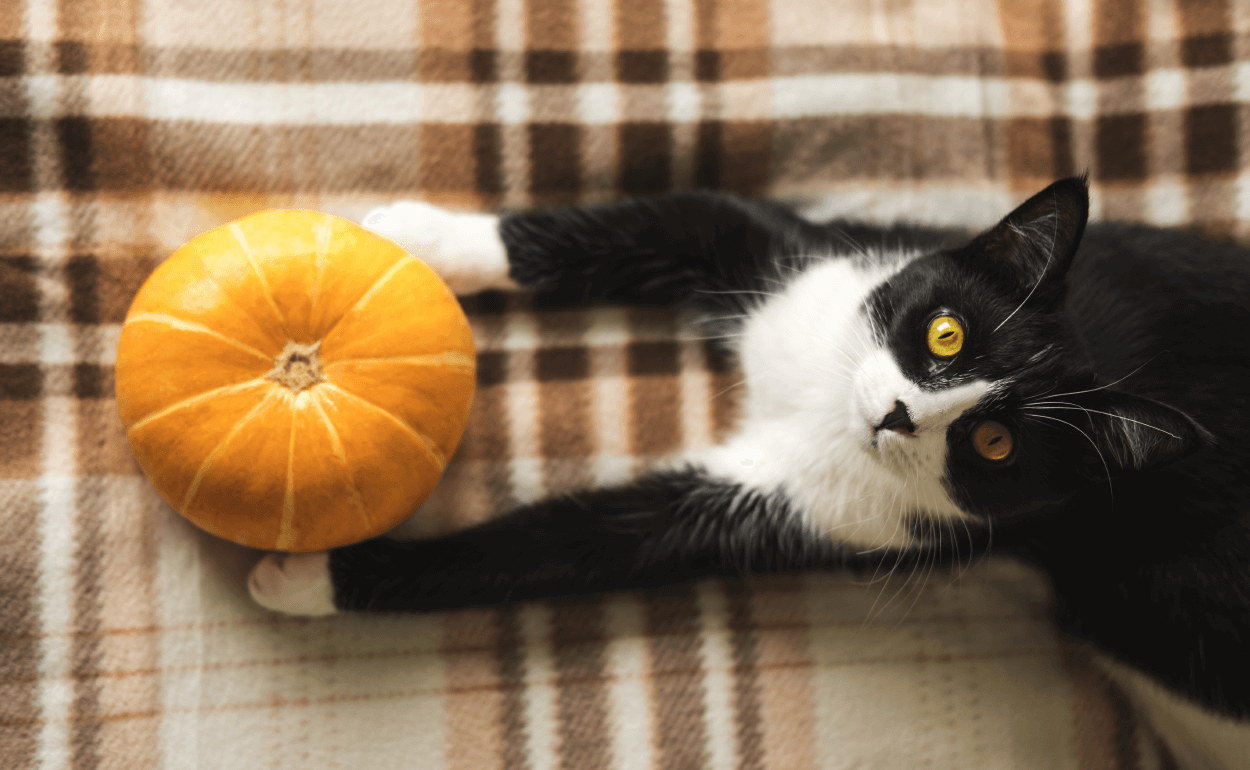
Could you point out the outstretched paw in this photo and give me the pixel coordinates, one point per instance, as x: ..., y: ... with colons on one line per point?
x: 463, y: 248
x: 294, y: 583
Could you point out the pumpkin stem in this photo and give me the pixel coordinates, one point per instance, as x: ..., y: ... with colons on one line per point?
x: 298, y: 366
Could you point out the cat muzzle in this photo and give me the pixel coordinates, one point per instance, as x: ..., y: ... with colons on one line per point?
x: 898, y: 420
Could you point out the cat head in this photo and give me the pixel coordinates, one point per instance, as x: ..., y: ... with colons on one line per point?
x: 975, y: 349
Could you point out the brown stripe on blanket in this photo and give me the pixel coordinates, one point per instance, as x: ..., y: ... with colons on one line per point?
x: 1207, y: 33
x: 732, y: 39
x: 842, y: 58
x: 15, y: 156
x: 579, y: 646
x: 487, y: 440
x: 551, y: 40
x: 127, y: 599
x: 1211, y: 137
x: 475, y: 647
x: 11, y: 30
x: 735, y: 155
x: 555, y: 161
x: 1033, y: 39
x: 878, y: 148
x: 787, y: 693
x: 99, y: 36
x: 227, y: 158
x: 642, y: 55
x: 510, y: 652
x: 19, y: 618
x: 85, y: 652
x: 19, y: 295
x: 566, y: 409
x: 654, y: 397
x: 646, y: 157
x: 448, y: 154
x: 725, y: 383
x: 1039, y: 150
x: 1119, y: 29
x: 454, y: 35
x: 747, y: 701
x: 1121, y: 140
x: 728, y: 155
x: 21, y: 420
x: 672, y: 625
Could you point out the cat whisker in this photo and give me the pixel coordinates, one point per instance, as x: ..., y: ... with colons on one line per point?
x: 916, y: 566
x: 738, y: 292
x: 1075, y: 407
x: 1054, y: 236
x: 1101, y: 387
x: 931, y: 564
x: 897, y: 558
x: 1105, y: 467
x: 737, y: 384
x: 855, y: 246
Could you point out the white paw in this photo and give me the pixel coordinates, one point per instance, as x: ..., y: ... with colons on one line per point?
x: 464, y: 249
x: 294, y: 583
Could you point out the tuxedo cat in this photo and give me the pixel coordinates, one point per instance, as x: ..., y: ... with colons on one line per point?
x: 1078, y: 394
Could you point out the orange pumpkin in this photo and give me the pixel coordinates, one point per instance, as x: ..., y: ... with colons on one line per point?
x: 291, y: 381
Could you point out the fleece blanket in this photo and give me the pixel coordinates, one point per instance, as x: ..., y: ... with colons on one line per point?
x: 127, y: 639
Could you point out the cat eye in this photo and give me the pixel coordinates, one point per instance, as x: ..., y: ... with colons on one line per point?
x: 992, y: 440
x: 946, y: 336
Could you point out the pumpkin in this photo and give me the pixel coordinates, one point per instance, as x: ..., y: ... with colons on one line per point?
x: 291, y: 381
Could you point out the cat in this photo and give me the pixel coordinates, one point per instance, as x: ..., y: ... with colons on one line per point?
x: 1078, y: 394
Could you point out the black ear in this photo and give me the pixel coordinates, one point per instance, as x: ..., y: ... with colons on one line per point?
x: 1034, y: 244
x: 1135, y: 433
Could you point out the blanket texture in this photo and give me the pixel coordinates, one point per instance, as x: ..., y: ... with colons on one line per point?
x: 127, y: 639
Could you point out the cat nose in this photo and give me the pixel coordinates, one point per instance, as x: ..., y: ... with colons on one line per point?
x: 898, y: 420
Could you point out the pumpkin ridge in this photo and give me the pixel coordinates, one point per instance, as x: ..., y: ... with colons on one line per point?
x: 225, y: 294
x: 193, y: 326
x: 264, y: 285
x: 340, y: 454
x: 425, y: 441
x: 372, y: 290
x: 224, y: 390
x: 286, y: 530
x: 449, y: 358
x: 221, y: 447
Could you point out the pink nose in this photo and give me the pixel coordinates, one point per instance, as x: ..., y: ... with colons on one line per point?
x: 898, y: 420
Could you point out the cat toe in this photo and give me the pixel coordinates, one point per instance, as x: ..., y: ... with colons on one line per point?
x: 293, y: 583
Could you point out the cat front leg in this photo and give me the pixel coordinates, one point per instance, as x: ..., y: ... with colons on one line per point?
x: 698, y: 246
x: 668, y: 527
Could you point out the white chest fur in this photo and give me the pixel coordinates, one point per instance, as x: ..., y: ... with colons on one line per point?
x: 817, y: 382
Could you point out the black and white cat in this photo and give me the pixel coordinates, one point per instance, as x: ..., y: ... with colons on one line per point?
x: 1080, y: 393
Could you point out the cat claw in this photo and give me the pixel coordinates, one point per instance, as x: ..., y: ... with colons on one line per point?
x: 294, y: 584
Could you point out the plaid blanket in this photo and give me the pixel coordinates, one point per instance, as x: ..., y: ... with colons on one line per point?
x: 127, y: 126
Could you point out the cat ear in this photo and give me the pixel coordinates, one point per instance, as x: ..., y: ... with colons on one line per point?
x: 1135, y: 433
x: 1035, y: 243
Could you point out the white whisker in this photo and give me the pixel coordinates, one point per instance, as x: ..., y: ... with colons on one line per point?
x: 1053, y: 237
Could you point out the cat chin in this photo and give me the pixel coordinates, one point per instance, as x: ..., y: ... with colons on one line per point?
x: 860, y: 495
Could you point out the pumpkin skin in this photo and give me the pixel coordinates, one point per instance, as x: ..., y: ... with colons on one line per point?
x: 293, y: 382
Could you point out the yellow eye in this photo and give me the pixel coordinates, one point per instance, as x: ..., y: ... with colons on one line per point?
x: 946, y: 336
x: 992, y: 440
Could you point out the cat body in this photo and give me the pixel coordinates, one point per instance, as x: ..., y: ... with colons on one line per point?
x: 1076, y: 396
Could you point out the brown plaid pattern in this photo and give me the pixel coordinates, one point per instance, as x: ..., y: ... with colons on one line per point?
x: 126, y: 127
